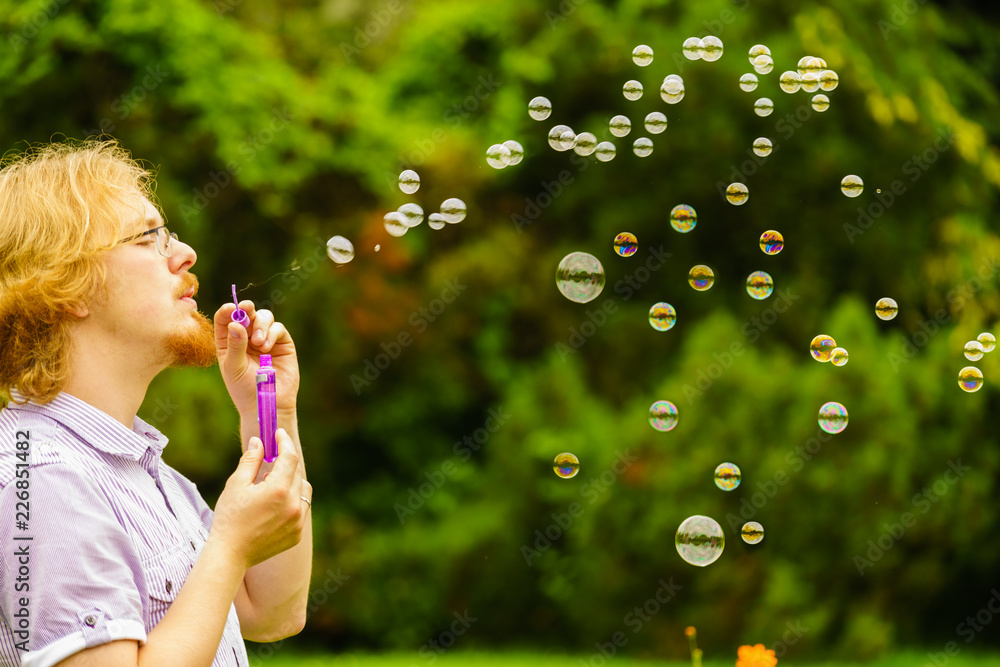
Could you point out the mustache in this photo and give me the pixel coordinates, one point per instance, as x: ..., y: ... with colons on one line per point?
x: 188, y: 281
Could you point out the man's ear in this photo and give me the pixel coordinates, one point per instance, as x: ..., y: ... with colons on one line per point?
x: 78, y: 309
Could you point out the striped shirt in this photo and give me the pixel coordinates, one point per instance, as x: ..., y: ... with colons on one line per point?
x: 97, y: 533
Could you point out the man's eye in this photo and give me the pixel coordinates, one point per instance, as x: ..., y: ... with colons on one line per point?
x: 145, y: 242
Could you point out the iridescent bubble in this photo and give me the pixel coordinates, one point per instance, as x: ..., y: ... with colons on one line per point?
x: 656, y: 122
x: 693, y: 48
x: 497, y: 156
x: 699, y: 540
x: 605, y: 151
x: 737, y: 194
x: 626, y: 244
x: 970, y: 379
x: 790, y: 81
x: 580, y: 277
x: 673, y: 84
x: 620, y: 126
x: 758, y: 50
x: 413, y: 215
x: 662, y: 317
x: 987, y: 340
x: 839, y: 356
x: 642, y: 55
x: 852, y: 185
x: 632, y: 90
x: 711, y: 48
x: 759, y: 285
x: 562, y: 137
x: 814, y: 66
x: 586, y: 143
x: 663, y: 415
x: 436, y: 221
x: 516, y: 152
x: 974, y: 350
x: 340, y: 250
x: 701, y: 277
x: 828, y: 80
x: 801, y: 66
x: 772, y: 242
x: 409, y: 181
x: 821, y: 348
x: 763, y: 107
x: 566, y: 465
x: 810, y: 82
x: 671, y: 98
x: 762, y: 64
x: 539, y: 108
x: 886, y: 308
x: 833, y: 417
x: 820, y: 102
x: 683, y: 218
x: 762, y: 146
x: 752, y: 532
x: 643, y: 146
x: 727, y: 476
x: 453, y: 210
x: 748, y: 82
x: 395, y: 223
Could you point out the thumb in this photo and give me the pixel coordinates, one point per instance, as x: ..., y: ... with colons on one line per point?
x: 236, y: 354
x: 249, y: 465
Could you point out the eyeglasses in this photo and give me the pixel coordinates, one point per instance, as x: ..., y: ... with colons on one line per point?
x: 163, y: 237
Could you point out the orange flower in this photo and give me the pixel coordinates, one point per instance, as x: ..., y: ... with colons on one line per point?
x: 755, y: 656
x: 689, y: 631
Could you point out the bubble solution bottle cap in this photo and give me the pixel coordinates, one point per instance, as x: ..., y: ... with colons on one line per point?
x: 240, y: 315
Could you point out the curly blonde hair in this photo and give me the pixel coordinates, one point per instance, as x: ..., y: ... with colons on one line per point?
x: 60, y: 207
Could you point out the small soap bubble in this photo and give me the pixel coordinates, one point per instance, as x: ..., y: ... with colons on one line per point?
x: 620, y: 126
x: 632, y: 90
x: 759, y: 285
x: 987, y: 340
x: 839, y: 356
x: 516, y: 152
x: 762, y: 146
x: 701, y: 277
x: 790, y: 81
x: 814, y: 65
x: 737, y: 194
x: 763, y: 64
x: 409, y: 181
x: 580, y: 277
x: 801, y: 66
x: 748, y: 82
x: 810, y: 82
x: 673, y: 84
x: 711, y: 48
x: 642, y: 55
x: 693, y: 48
x: 566, y: 465
x: 833, y: 417
x: 656, y: 122
x: 752, y: 532
x: 562, y: 138
x: 436, y: 221
x: 663, y: 415
x: 340, y: 250
x: 395, y: 223
x: 699, y: 540
x: 539, y: 108
x: 683, y: 218
x: 626, y: 244
x: 586, y: 144
x: 758, y: 50
x: 852, y: 185
x: 822, y: 347
x: 671, y: 98
x: 820, y: 102
x: 763, y: 107
x: 772, y: 242
x: 497, y: 156
x: 970, y: 379
x: 727, y: 476
x: 643, y: 146
x: 605, y: 151
x: 378, y: 246
x: 453, y: 210
x: 662, y: 317
x: 886, y: 308
x: 413, y: 215
x: 828, y: 80
x: 974, y: 350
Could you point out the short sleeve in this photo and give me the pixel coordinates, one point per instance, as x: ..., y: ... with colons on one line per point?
x: 75, y: 569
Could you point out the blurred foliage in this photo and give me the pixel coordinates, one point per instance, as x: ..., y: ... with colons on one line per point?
x: 273, y: 126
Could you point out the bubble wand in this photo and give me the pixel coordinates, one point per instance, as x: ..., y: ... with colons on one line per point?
x: 267, y: 403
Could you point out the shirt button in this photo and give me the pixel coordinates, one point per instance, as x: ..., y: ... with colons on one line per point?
x: 170, y: 585
x: 91, y: 621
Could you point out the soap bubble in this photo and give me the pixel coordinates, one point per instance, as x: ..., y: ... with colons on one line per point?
x: 683, y: 218
x: 413, y: 215
x: 762, y: 64
x: 790, y: 81
x: 772, y: 242
x: 539, y: 108
x: 395, y: 223
x: 693, y: 48
x: 752, y: 532
x: 566, y: 465
x: 820, y: 102
x: 453, y: 210
x: 701, y: 277
x: 822, y: 347
x: 810, y: 82
x: 643, y: 146
x: 762, y: 146
x: 663, y: 415
x: 987, y: 340
x: 516, y: 152
x: 340, y: 250
x: 833, y: 417
x: 885, y: 307
x: 436, y: 221
x: 632, y: 90
x: 561, y: 137
x: 409, y: 181
x: 763, y: 107
x: 672, y: 84
x: 586, y: 143
x: 605, y: 151
x: 748, y: 82
x: 711, y: 48
x: 620, y: 126
x: 758, y: 50
x: 656, y: 122
x: 828, y: 80
x: 813, y: 66
x: 378, y: 246
x: 497, y: 156
x: 974, y: 350
x: 671, y: 98
x: 737, y: 194
x: 801, y: 66
x: 580, y: 277
x: 642, y: 55
x: 662, y: 316
x: 626, y: 244
x: 759, y: 285
x: 727, y: 476
x: 839, y: 356
x: 699, y: 540
x: 970, y: 379
x: 852, y: 185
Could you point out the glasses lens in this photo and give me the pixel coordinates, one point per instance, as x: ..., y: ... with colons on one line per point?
x: 163, y: 241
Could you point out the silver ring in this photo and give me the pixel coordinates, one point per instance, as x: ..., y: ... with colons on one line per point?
x: 307, y: 500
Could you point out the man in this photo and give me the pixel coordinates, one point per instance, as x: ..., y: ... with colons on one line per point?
x: 109, y: 556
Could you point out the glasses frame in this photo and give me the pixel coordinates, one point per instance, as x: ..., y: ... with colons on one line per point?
x: 162, y: 246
